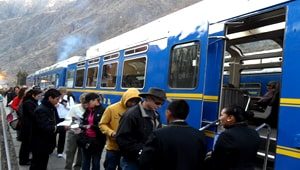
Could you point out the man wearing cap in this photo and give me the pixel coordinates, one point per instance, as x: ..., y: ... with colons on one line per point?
x: 136, y: 124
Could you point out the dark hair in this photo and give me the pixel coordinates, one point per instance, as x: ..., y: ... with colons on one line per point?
x: 91, y: 96
x: 51, y: 93
x: 21, y: 93
x: 70, y: 94
x: 29, y: 93
x: 239, y: 113
x: 179, y: 109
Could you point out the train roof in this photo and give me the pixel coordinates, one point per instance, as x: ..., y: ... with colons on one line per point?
x: 180, y: 23
x: 61, y: 64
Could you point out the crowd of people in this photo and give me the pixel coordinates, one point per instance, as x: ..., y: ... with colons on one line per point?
x: 130, y: 131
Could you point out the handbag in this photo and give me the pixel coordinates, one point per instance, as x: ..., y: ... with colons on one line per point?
x: 87, y: 143
x: 13, y: 120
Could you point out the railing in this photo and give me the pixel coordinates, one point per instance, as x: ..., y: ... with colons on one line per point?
x: 264, y: 125
x: 214, y: 123
x: 4, y: 128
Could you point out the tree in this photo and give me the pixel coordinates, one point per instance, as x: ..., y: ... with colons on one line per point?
x: 21, y: 77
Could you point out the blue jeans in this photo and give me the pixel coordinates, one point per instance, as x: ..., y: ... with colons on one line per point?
x: 129, y: 164
x: 87, y: 157
x: 112, y: 160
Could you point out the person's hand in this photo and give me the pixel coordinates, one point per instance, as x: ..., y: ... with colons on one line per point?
x: 113, y: 135
x: 86, y: 126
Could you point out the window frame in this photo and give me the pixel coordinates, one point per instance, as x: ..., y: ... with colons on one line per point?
x: 102, y: 66
x: 185, y: 44
x: 145, y: 75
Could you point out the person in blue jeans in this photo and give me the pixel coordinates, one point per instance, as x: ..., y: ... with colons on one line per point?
x: 109, y: 124
x: 136, y: 124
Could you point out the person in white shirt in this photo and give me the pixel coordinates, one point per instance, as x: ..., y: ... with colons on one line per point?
x: 75, y: 114
x: 62, y: 111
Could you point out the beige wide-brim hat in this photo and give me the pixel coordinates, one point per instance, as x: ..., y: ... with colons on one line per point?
x: 156, y: 92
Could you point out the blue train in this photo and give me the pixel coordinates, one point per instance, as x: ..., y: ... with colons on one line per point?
x: 192, y: 54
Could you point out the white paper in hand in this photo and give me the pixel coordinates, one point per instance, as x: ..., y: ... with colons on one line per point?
x: 65, y: 123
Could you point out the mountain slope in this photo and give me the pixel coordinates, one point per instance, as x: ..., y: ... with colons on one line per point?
x: 32, y: 38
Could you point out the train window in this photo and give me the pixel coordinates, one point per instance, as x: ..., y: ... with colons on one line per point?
x: 109, y: 75
x: 70, y: 78
x: 134, y: 73
x: 92, y: 77
x: 79, y: 78
x: 136, y: 50
x: 111, y: 56
x: 184, y: 65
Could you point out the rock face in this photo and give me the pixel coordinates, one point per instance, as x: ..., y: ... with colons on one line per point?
x: 37, y: 33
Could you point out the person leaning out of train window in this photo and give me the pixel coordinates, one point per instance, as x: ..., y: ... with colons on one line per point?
x: 91, y: 152
x: 109, y: 124
x: 176, y: 146
x: 136, y: 124
x: 237, y: 145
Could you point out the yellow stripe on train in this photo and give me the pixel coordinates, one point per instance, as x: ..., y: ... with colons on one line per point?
x: 286, y: 151
x: 188, y: 96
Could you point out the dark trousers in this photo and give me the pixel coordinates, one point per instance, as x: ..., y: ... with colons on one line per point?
x: 24, y: 152
x: 87, y: 158
x: 112, y: 160
x: 39, y: 160
x: 61, y: 142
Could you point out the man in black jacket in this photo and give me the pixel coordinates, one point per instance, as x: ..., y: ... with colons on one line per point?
x: 44, y: 129
x: 176, y: 146
x: 136, y: 124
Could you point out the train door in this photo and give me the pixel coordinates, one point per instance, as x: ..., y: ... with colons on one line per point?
x: 252, y: 71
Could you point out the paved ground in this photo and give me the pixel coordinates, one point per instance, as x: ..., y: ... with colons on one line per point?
x: 54, y: 163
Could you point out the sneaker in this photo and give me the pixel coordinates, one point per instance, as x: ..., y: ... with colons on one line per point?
x: 60, y: 155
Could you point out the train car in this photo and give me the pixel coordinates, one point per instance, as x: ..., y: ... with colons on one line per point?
x: 194, y: 52
x: 53, y: 76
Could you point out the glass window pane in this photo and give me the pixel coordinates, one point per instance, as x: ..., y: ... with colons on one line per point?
x: 79, y: 78
x: 109, y: 75
x: 70, y: 78
x: 92, y: 77
x: 134, y: 73
x: 184, y: 66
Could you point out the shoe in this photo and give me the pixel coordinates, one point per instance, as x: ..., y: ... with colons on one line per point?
x: 60, y: 155
x: 25, y: 163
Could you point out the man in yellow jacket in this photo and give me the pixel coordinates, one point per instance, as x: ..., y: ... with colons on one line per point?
x: 109, y: 124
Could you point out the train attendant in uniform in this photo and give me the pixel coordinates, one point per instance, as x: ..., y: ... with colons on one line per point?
x: 136, y: 124
x: 92, y: 151
x: 109, y: 124
x: 237, y: 146
x: 176, y: 146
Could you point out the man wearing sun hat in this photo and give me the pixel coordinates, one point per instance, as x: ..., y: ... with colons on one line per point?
x: 136, y: 124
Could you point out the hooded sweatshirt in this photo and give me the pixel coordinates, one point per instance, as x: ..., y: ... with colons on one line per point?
x: 110, y: 119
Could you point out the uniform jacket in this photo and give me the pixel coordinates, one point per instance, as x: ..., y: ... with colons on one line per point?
x: 134, y: 129
x: 236, y: 148
x: 44, y: 127
x: 177, y: 146
x: 110, y: 120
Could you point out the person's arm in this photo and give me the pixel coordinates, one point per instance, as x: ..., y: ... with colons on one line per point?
x: 104, y: 123
x: 127, y: 138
